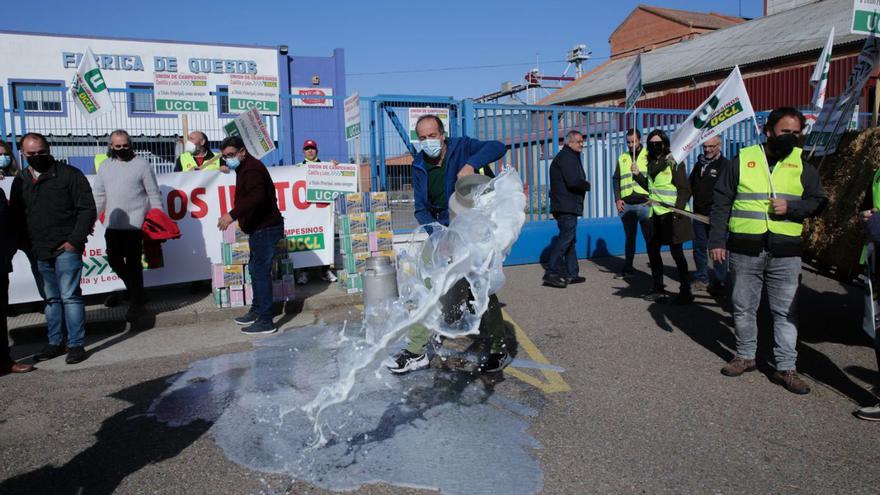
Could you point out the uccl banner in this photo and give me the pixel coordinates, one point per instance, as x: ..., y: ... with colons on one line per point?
x: 196, y: 200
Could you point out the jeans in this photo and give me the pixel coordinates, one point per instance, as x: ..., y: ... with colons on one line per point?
x: 632, y: 217
x: 64, y: 303
x: 563, y: 257
x: 701, y: 257
x: 125, y: 248
x: 780, y: 276
x: 262, y: 245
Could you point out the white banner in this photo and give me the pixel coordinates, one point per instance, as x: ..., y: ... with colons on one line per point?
x: 196, y: 200
x: 634, y: 82
x: 415, y: 113
x: 311, y: 97
x: 819, y: 79
x: 181, y: 93
x: 252, y: 130
x: 89, y: 89
x: 728, y: 105
x: 866, y: 14
x: 324, y: 181
x: 352, y: 116
x: 253, y: 91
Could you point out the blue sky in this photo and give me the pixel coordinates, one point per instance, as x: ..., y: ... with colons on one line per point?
x: 391, y: 47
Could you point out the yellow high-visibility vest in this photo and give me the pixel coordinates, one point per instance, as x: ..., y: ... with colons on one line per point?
x: 627, y: 184
x: 661, y: 188
x: 188, y: 162
x: 751, y: 211
x: 99, y: 159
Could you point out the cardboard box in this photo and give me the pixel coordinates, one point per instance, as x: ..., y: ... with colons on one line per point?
x: 353, y: 224
x: 248, y: 294
x: 352, y: 283
x: 360, y: 261
x: 354, y: 203
x: 388, y: 252
x: 380, y: 221
x: 381, y: 241
x: 221, y: 297
x: 360, y: 242
x: 227, y: 275
x: 378, y: 201
x: 236, y: 253
x: 234, y: 234
x: 236, y: 296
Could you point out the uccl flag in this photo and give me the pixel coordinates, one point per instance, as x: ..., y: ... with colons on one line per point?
x: 728, y: 105
x: 88, y: 88
x: 819, y: 79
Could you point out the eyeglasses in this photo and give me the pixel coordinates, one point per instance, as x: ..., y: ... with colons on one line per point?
x: 227, y: 156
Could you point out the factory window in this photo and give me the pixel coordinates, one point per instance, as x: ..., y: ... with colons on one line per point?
x: 141, y: 99
x: 223, y: 102
x: 38, y: 96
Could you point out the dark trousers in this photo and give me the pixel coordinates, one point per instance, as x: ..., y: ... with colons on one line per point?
x: 125, y: 248
x: 5, y: 357
x: 262, y: 245
x: 654, y: 245
x: 563, y: 257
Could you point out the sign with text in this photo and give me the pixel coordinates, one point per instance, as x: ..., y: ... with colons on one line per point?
x: 253, y: 92
x: 634, y: 82
x: 352, y: 116
x: 325, y: 181
x: 181, y: 93
x: 196, y: 200
x: 311, y: 97
x: 865, y: 17
x: 253, y: 132
x: 416, y: 113
x: 832, y: 122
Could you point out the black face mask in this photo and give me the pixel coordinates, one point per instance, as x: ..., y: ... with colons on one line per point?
x: 782, y: 145
x: 124, y: 155
x: 655, y: 149
x: 40, y: 163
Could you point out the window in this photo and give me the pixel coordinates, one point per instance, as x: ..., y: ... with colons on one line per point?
x: 141, y: 99
x: 223, y: 101
x: 38, y: 96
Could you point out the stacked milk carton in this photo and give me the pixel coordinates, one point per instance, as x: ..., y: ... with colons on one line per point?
x: 364, y: 228
x: 231, y: 280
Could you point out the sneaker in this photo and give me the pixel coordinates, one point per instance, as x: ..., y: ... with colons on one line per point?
x: 302, y: 278
x: 135, y: 312
x: 682, y: 299
x: 869, y: 413
x: 246, y: 319
x: 575, y: 280
x: 700, y: 285
x: 76, y: 355
x: 407, y: 361
x: 654, y: 295
x: 259, y: 327
x: 737, y: 366
x: 495, y: 362
x: 791, y: 381
x: 624, y: 275
x: 48, y: 352
x: 328, y: 276
x: 555, y: 281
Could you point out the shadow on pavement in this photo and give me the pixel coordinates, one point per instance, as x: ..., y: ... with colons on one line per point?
x: 125, y: 443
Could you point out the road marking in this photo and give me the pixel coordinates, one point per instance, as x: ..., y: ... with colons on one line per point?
x: 554, y: 382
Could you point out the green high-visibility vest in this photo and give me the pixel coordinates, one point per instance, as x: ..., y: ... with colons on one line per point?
x: 627, y: 184
x: 875, y: 204
x: 188, y: 162
x: 99, y: 159
x: 661, y: 188
x: 751, y: 206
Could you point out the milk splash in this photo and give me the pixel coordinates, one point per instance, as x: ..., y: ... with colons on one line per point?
x: 473, y: 247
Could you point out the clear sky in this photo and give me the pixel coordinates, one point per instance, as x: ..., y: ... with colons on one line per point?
x: 446, y: 48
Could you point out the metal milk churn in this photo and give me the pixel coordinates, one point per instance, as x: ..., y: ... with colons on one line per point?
x: 463, y: 198
x: 380, y: 282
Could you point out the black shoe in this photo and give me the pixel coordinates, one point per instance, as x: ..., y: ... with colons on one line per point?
x: 407, y: 361
x: 111, y: 301
x: 716, y: 289
x: 259, y: 327
x: 682, y: 299
x: 869, y: 413
x: 660, y: 296
x: 135, y: 312
x: 495, y: 362
x: 246, y: 319
x: 49, y: 352
x: 576, y: 280
x: 76, y: 355
x: 555, y: 281
x: 625, y: 275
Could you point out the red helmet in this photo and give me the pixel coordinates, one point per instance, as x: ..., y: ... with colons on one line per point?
x: 309, y: 143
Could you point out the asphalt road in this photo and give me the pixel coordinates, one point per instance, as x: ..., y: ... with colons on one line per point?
x: 647, y: 410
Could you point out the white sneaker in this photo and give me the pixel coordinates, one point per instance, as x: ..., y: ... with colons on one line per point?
x: 302, y: 278
x: 407, y: 361
x: 328, y: 276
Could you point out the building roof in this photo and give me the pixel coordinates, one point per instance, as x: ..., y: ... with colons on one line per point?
x: 699, y: 20
x: 799, y: 30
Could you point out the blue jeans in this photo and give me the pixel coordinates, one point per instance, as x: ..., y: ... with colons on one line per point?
x: 781, y: 277
x: 701, y: 257
x: 632, y: 217
x: 262, y: 245
x: 64, y: 303
x: 563, y: 257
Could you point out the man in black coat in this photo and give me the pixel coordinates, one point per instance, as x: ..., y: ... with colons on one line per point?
x: 710, y: 165
x: 568, y: 184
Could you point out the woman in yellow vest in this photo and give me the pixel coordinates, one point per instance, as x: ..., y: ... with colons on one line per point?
x: 667, y: 184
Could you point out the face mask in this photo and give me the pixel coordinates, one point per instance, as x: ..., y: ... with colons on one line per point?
x: 40, y: 163
x: 781, y: 146
x: 431, y: 147
x: 189, y: 147
x: 5, y: 161
x: 124, y: 155
x: 233, y: 163
x: 655, y: 149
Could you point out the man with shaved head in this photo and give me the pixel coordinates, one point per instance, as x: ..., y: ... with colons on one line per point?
x: 710, y: 164
x: 197, y: 155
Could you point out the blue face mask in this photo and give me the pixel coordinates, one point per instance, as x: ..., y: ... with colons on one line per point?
x: 233, y: 163
x: 5, y: 161
x: 431, y: 147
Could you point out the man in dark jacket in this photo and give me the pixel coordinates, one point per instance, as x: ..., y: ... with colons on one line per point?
x: 762, y: 200
x: 568, y: 184
x: 710, y: 164
x: 55, y: 202
x: 8, y: 246
x: 256, y: 209
x: 441, y: 162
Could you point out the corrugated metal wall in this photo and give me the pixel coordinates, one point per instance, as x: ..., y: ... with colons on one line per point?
x: 789, y: 87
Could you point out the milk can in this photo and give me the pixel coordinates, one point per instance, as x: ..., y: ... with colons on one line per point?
x: 463, y: 198
x: 380, y: 281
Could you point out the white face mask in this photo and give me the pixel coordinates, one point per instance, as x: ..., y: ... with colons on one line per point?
x: 431, y: 147
x: 189, y: 147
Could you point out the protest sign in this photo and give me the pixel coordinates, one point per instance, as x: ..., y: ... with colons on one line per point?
x: 251, y: 91
x: 252, y: 130
x: 634, y: 82
x: 324, y: 180
x: 89, y: 90
x: 415, y: 113
x: 181, y: 93
x: 352, y: 116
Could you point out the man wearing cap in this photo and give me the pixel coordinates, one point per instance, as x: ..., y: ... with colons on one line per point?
x: 197, y: 155
x: 310, y: 154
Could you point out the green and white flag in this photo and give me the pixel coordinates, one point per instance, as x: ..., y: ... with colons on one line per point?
x: 89, y: 90
x: 728, y: 105
x: 819, y: 79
